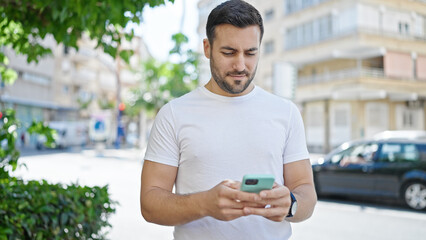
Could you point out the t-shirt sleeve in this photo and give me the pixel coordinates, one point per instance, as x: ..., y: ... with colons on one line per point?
x: 162, y: 145
x: 295, y: 146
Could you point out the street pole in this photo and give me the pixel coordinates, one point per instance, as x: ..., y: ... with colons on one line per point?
x: 118, y: 102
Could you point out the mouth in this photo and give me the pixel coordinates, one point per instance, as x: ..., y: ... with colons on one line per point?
x: 237, y: 76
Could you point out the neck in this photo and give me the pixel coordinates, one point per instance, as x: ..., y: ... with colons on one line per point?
x: 214, y: 88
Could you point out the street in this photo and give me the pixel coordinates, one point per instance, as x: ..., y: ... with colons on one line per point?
x: 120, y: 169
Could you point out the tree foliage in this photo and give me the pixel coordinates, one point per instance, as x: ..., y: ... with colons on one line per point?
x: 162, y: 81
x: 9, y: 124
x: 24, y: 22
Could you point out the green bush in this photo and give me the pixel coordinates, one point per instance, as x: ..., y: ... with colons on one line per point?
x: 39, y: 210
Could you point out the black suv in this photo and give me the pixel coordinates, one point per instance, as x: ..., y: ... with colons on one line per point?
x: 394, y: 168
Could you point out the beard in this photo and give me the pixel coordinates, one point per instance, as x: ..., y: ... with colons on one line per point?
x: 235, y: 87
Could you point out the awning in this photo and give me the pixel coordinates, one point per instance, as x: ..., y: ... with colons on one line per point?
x: 36, y: 103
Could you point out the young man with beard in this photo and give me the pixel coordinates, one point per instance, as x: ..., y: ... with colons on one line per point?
x: 206, y: 141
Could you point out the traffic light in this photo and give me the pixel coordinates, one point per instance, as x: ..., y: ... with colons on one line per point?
x: 121, y: 107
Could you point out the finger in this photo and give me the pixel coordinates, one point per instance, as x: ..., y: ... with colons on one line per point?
x: 238, y: 195
x: 277, y: 202
x: 232, y: 184
x: 253, y: 204
x: 266, y: 212
x: 278, y: 192
x: 225, y: 203
x: 245, y: 196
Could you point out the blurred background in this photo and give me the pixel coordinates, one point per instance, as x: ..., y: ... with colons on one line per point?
x: 354, y: 69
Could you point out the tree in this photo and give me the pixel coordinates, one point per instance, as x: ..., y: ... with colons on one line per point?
x: 162, y: 81
x: 24, y: 22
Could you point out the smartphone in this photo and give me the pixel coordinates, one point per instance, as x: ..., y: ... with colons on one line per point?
x: 255, y: 183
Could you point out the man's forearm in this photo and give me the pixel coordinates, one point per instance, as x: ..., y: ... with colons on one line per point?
x: 166, y: 208
x: 306, y: 199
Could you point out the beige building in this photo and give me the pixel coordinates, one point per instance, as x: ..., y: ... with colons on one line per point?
x: 356, y: 67
x: 70, y: 85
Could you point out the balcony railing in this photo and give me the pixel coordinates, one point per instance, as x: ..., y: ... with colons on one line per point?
x: 293, y: 6
x: 291, y: 44
x: 341, y: 75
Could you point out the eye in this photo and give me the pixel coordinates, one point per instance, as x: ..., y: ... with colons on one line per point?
x: 251, y: 54
x: 227, y: 53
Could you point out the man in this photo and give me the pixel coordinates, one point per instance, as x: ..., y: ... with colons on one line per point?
x: 206, y: 141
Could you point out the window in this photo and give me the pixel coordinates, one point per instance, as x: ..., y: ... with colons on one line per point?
x: 359, y: 154
x: 414, y: 59
x: 292, y: 6
x: 424, y: 27
x: 65, y: 89
x: 394, y: 152
x: 325, y: 27
x: 310, y: 32
x: 404, y: 28
x: 35, y: 78
x: 409, y: 116
x: 340, y: 118
x: 66, y: 50
x: 408, y: 119
x: 269, y: 14
x: 422, y: 152
x: 269, y: 47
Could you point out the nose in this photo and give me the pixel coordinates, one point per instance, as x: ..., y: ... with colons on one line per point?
x: 239, y: 63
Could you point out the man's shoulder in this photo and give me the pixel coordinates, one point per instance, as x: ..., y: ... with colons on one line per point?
x: 182, y: 101
x: 188, y: 97
x: 268, y: 96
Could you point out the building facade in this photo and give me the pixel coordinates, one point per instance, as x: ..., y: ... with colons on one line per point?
x: 69, y: 85
x: 355, y: 68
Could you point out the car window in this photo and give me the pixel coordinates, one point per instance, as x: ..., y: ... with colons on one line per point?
x: 422, y: 152
x: 394, y: 152
x: 358, y: 154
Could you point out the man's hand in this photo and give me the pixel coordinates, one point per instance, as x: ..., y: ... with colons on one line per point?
x: 226, y: 202
x: 299, y: 180
x: 278, y: 203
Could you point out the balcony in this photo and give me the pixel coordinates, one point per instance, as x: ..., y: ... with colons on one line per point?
x: 297, y: 37
x: 359, y: 84
x: 294, y: 6
x: 342, y: 75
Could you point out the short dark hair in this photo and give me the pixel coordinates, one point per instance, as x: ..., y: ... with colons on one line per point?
x: 235, y: 12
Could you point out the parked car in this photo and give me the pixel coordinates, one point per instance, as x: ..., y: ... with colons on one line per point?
x: 67, y: 134
x: 389, y: 167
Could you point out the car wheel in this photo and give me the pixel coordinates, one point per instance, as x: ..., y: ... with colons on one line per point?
x: 415, y: 195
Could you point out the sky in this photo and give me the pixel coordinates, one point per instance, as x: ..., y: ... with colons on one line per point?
x: 160, y: 23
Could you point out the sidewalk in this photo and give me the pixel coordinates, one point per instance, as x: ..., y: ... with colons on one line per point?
x: 130, y: 154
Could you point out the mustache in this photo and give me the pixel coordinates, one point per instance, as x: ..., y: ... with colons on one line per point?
x: 238, y: 73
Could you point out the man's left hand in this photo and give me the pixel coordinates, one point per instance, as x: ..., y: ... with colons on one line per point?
x: 277, y: 201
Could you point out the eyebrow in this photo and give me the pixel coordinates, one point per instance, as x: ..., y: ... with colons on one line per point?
x: 233, y: 49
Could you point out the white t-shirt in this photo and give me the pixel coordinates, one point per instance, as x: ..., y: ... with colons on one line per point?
x: 211, y: 138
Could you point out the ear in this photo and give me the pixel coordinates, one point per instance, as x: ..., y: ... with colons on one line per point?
x: 206, y: 45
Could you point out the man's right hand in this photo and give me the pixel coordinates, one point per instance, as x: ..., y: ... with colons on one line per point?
x: 226, y: 202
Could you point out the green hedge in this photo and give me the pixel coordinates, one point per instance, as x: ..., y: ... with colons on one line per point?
x: 39, y: 210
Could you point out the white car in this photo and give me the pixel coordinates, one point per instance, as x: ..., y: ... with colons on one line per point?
x: 67, y: 134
